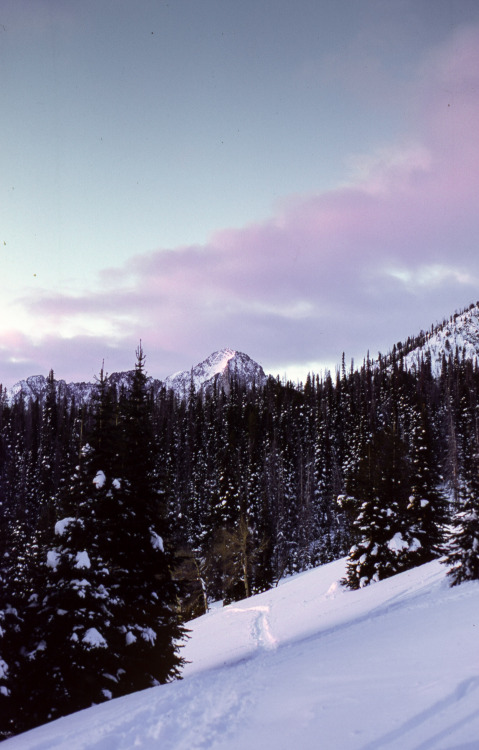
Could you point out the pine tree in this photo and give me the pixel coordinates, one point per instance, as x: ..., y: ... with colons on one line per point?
x: 140, y: 554
x: 103, y: 620
x: 377, y: 505
x: 462, y: 555
x: 66, y: 665
x: 10, y: 640
x: 426, y: 511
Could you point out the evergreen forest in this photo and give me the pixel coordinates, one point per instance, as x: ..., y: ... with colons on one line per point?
x: 125, y: 516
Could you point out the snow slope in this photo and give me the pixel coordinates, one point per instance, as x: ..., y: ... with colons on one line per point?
x: 312, y: 666
x: 459, y: 334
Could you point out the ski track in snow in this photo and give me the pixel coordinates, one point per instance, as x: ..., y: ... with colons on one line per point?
x: 261, y: 629
x: 447, y: 708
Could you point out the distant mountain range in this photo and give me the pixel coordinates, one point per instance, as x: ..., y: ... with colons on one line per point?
x: 219, y: 368
x: 455, y: 336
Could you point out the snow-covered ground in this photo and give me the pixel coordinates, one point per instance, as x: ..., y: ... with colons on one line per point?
x: 308, y: 665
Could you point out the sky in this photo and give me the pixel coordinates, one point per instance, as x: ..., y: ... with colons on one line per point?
x: 293, y: 179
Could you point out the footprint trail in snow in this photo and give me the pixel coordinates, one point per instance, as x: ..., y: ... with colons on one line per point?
x: 261, y: 629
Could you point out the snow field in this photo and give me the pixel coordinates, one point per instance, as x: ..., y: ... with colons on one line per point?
x: 308, y: 665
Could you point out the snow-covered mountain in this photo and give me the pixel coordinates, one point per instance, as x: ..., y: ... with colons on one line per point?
x: 35, y: 387
x: 309, y: 665
x: 220, y: 367
x: 458, y: 334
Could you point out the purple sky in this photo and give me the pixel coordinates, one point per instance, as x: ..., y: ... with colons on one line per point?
x: 291, y: 180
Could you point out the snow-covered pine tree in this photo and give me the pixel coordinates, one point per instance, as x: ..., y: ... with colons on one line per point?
x: 49, y: 452
x: 148, y: 631
x: 376, y: 500
x: 327, y: 487
x: 105, y: 622
x: 66, y: 665
x: 426, y: 511
x: 462, y: 554
x: 10, y: 628
x: 257, y: 501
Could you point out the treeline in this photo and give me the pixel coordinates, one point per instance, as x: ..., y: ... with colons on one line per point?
x: 215, y: 496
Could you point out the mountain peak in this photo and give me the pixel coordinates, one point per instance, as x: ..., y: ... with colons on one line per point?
x: 219, y: 361
x: 220, y: 367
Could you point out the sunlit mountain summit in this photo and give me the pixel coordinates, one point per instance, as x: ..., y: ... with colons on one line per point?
x: 219, y: 369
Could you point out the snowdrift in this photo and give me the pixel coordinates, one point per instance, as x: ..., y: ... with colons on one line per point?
x: 308, y: 665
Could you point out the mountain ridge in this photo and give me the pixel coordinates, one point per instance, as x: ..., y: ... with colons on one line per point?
x: 218, y: 369
x: 456, y: 336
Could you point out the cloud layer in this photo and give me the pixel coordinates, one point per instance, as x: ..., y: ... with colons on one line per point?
x: 389, y: 252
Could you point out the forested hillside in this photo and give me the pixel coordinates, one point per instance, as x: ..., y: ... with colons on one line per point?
x: 126, y: 514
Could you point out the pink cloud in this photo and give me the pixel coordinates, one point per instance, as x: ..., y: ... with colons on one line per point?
x: 352, y: 269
